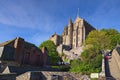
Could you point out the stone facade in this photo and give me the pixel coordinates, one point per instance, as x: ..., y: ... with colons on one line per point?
x: 22, y: 52
x: 56, y: 39
x: 74, y: 34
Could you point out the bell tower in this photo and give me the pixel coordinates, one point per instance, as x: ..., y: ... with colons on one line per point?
x: 70, y: 32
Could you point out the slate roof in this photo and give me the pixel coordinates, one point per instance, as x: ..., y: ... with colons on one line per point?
x: 30, y: 45
x: 7, y: 42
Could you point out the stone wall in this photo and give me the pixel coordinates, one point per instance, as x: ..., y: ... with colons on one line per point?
x: 44, y: 56
x: 1, y: 51
x: 102, y: 74
x: 8, y: 53
x: 11, y: 76
x: 62, y: 47
x: 46, y: 75
x: 56, y: 39
x: 117, y: 57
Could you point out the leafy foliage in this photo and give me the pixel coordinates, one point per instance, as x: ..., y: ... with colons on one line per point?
x: 89, y: 53
x: 91, y: 58
x: 114, y: 37
x: 97, y: 39
x: 88, y: 66
x: 52, y: 53
x: 61, y: 67
x: 103, y: 39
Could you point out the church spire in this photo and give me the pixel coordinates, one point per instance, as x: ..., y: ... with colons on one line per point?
x: 78, y: 17
x: 78, y: 13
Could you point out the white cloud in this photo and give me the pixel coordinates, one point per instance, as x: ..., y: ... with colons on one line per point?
x: 26, y: 16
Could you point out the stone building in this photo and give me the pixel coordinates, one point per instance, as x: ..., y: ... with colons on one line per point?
x: 18, y: 52
x: 73, y: 34
x: 56, y: 39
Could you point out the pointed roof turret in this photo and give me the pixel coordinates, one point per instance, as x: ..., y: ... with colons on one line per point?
x: 70, y: 21
x: 78, y: 17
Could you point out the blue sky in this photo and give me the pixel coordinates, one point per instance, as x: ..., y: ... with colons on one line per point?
x: 37, y: 20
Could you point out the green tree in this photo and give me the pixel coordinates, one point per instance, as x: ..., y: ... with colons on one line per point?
x: 89, y: 54
x: 91, y: 58
x: 79, y: 66
x: 114, y: 37
x: 110, y: 32
x: 97, y: 62
x: 76, y: 66
x: 52, y: 53
x: 97, y: 39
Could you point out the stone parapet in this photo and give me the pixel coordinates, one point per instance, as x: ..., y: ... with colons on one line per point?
x: 102, y: 74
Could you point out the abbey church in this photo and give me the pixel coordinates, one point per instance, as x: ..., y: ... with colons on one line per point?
x: 74, y: 33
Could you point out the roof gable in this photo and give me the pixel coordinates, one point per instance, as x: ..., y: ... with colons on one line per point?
x: 7, y: 42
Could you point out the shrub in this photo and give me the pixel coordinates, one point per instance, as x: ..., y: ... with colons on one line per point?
x: 52, y: 53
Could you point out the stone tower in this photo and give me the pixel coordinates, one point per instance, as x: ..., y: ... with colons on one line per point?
x: 68, y: 34
x: 57, y: 39
x: 75, y: 33
x: 78, y: 33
